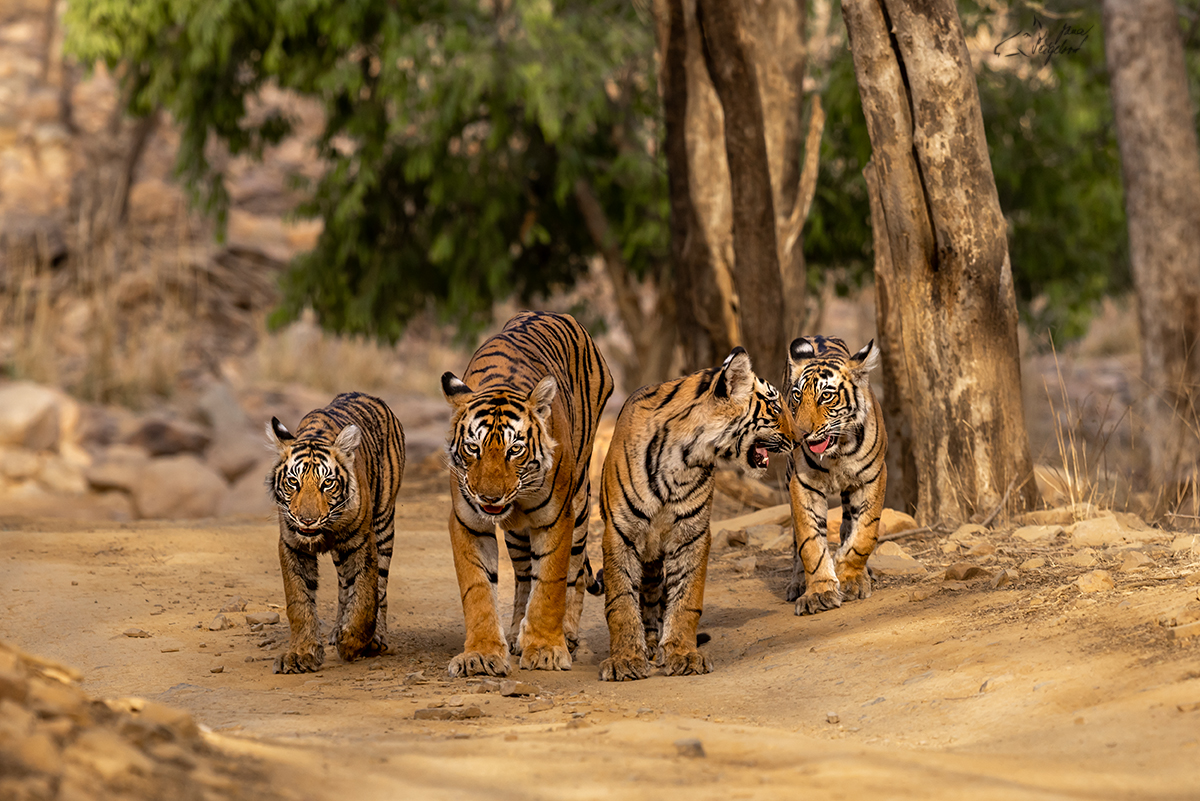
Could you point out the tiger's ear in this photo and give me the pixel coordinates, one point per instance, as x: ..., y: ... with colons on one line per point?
x: 277, y: 434
x: 864, y: 361
x: 801, y: 350
x: 543, y: 395
x: 736, y: 379
x: 348, y: 440
x: 456, y: 392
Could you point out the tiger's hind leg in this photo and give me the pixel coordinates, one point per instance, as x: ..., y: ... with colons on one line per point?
x: 384, y: 528
x: 576, y: 583
x: 358, y: 582
x: 623, y: 577
x: 814, y: 585
x: 517, y: 543
x: 685, y: 567
x: 652, y: 602
x: 863, y: 508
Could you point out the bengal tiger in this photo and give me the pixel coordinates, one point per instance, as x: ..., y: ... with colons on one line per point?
x: 335, y: 484
x: 656, y: 497
x: 844, y: 444
x: 524, y: 418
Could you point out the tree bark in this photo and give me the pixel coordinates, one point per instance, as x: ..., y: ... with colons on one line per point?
x: 756, y: 272
x: 949, y: 325
x: 1160, y: 166
x: 706, y: 307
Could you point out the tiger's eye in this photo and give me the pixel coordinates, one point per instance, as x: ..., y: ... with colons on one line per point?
x: 471, y: 449
x: 516, y: 450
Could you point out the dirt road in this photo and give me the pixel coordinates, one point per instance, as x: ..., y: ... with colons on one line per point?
x: 1034, y: 690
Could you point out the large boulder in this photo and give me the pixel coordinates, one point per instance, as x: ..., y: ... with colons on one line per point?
x: 238, y: 446
x: 178, y: 487
x: 248, y: 496
x: 164, y: 436
x: 33, y: 416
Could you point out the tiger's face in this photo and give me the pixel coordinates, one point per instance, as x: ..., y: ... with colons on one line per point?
x: 827, y: 390
x: 313, y: 482
x: 500, y: 449
x: 757, y: 422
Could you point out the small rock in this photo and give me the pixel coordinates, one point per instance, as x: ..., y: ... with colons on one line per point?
x: 488, y: 686
x: 1098, y: 531
x: 136, y: 633
x: 925, y: 593
x: 235, y: 604
x: 262, y: 618
x: 1032, y: 564
x: 962, y: 571
x: 737, y: 538
x: 220, y: 623
x: 889, y: 559
x: 578, y: 723
x: 510, y: 687
x: 763, y: 533
x: 1135, y: 560
x: 968, y: 533
x: 981, y: 549
x: 1186, y: 542
x: 1037, y: 533
x: 454, y: 700
x: 1185, y: 632
x: 1095, y: 581
x: 1003, y: 579
x: 541, y: 705
x: 170, y: 650
x: 1059, y: 516
x: 448, y: 713
x: 1083, y: 558
x: 690, y: 747
x: 1192, y: 578
x: 832, y: 717
x: 745, y: 566
x: 217, y: 669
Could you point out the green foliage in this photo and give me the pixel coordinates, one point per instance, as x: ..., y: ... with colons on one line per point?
x: 455, y: 132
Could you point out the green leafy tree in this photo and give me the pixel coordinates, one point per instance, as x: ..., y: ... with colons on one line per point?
x: 454, y: 134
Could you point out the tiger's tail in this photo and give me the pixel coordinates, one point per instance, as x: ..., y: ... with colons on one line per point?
x: 595, y: 581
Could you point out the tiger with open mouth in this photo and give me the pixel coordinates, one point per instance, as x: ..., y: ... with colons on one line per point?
x: 842, y: 446
x: 656, y: 497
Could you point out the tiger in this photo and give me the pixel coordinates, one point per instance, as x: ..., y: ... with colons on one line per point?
x: 524, y: 417
x: 843, y: 447
x: 335, y: 484
x: 656, y: 497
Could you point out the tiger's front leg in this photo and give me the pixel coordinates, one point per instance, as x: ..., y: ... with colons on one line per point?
x: 475, y: 561
x: 623, y: 575
x: 541, y: 641
x: 358, y: 596
x: 814, y: 586
x: 305, y: 653
x: 685, y: 567
x: 863, y: 508
x: 517, y: 543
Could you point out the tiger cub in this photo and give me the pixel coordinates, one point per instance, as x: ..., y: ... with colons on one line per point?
x: 335, y: 485
x: 524, y: 418
x: 844, y: 444
x: 656, y: 496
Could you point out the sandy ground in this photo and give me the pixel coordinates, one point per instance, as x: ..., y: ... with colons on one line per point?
x: 1035, y: 690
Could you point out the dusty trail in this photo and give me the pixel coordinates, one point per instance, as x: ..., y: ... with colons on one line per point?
x: 1031, y: 691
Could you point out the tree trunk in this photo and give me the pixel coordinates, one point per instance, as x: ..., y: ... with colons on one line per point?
x: 706, y: 307
x: 948, y: 329
x: 1160, y: 165
x: 756, y: 271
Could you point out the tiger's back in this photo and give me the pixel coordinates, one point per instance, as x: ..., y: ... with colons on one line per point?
x: 525, y: 418
x: 335, y: 484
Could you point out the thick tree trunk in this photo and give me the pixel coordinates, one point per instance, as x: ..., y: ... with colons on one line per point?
x: 756, y: 271
x: 706, y: 306
x: 1160, y: 165
x: 949, y: 332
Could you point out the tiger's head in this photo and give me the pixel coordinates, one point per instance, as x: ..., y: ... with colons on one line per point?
x: 314, y: 483
x: 828, y: 390
x: 755, y: 421
x: 500, y: 448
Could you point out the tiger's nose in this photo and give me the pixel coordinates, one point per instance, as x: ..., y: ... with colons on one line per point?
x: 308, y: 521
x: 490, y: 500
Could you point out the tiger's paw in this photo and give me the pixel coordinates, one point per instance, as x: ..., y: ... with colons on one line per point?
x: 687, y: 663
x: 823, y: 596
x: 795, y: 589
x: 308, y: 661
x: 855, y: 584
x: 545, y: 657
x: 474, y: 663
x: 620, y: 668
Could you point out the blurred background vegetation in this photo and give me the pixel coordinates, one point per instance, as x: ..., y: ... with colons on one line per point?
x: 455, y: 132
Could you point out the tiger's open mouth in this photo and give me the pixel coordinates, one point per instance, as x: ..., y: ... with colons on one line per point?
x: 759, y: 456
x: 819, y: 446
x: 494, y: 511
